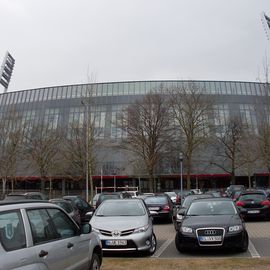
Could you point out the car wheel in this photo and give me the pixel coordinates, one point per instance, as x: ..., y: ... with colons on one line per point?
x: 177, y: 244
x: 153, y: 245
x: 95, y: 262
x: 244, y: 246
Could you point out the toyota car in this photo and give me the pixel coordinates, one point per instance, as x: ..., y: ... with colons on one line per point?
x: 212, y: 223
x: 124, y: 225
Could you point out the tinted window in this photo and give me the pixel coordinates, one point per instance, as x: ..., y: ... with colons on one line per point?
x: 12, y: 234
x: 63, y: 224
x: 116, y: 208
x: 156, y: 200
x: 252, y: 197
x: 207, y: 208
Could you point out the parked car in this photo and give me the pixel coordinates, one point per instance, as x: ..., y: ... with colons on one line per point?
x: 124, y: 225
x: 95, y: 199
x: 28, y: 195
x: 107, y: 196
x: 83, y: 206
x: 69, y: 207
x: 232, y: 188
x: 177, y: 216
x: 173, y: 196
x: 40, y: 235
x: 212, y: 223
x: 160, y: 206
x: 255, y: 203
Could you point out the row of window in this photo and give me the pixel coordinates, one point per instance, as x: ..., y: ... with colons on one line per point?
x: 106, y: 124
x: 130, y: 88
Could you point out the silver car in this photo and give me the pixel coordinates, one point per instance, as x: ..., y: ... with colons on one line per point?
x: 124, y: 225
x: 36, y: 235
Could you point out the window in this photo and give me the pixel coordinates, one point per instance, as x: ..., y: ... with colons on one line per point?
x: 221, y: 114
x: 12, y: 234
x: 41, y: 226
x: 64, y: 226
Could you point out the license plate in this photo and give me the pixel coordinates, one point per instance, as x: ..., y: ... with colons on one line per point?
x: 154, y: 208
x: 210, y: 238
x: 116, y: 242
x: 254, y: 212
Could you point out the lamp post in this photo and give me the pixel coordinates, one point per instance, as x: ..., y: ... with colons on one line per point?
x: 87, y: 149
x: 181, y: 176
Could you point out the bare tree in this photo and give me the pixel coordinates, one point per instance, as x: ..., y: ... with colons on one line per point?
x: 190, y: 109
x: 42, y: 147
x: 249, y: 153
x: 10, y: 142
x: 147, y: 124
x: 83, y: 137
x: 229, y: 147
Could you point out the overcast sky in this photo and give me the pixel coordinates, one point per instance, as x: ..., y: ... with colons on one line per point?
x: 57, y: 42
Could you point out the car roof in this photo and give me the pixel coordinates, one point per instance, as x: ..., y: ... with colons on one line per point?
x: 253, y: 192
x: 214, y: 199
x: 11, y: 205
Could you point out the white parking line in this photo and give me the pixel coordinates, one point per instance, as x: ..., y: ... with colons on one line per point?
x: 162, y: 248
x: 252, y: 250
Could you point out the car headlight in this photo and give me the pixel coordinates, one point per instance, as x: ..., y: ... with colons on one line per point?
x: 235, y: 228
x: 179, y: 217
x: 186, y: 229
x: 141, y: 229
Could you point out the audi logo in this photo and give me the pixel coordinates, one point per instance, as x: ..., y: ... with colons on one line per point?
x: 210, y: 232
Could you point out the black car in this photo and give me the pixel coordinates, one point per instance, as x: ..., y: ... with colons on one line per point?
x: 212, y: 223
x: 160, y: 206
x: 255, y: 203
x: 177, y: 216
x: 83, y: 206
x: 107, y: 196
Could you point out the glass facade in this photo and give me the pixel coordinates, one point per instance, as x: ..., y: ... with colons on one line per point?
x: 60, y: 106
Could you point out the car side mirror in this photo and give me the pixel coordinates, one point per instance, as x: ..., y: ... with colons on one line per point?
x: 181, y: 212
x: 86, y: 228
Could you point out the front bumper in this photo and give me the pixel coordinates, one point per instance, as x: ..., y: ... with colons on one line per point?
x: 229, y: 241
x: 135, y: 242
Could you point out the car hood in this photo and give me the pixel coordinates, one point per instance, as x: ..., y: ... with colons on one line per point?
x: 119, y: 222
x: 206, y: 221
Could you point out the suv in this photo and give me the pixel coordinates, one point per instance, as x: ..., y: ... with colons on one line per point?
x: 41, y: 235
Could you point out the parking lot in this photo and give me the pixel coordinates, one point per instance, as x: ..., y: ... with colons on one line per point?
x: 259, y: 243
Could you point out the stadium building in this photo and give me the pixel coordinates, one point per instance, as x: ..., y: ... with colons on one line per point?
x: 62, y: 105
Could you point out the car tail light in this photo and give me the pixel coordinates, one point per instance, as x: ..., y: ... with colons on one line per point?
x: 177, y: 199
x: 239, y: 203
x: 265, y: 202
x: 166, y: 208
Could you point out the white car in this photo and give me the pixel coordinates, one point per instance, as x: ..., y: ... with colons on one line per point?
x: 35, y: 235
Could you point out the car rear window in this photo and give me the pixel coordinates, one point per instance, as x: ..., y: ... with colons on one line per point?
x: 252, y: 197
x: 156, y: 200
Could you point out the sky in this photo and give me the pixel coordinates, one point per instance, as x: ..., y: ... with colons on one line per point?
x: 60, y: 42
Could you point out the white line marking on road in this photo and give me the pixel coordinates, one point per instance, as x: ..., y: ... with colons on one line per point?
x: 162, y: 248
x: 252, y: 250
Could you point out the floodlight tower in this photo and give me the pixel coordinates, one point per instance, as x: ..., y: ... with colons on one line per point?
x: 6, y: 70
x: 266, y: 24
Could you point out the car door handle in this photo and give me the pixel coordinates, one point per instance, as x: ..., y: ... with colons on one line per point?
x: 43, y: 253
x: 70, y: 245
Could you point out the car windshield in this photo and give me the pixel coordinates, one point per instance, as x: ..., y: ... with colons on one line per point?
x: 156, y: 200
x: 257, y: 197
x: 121, y: 208
x: 209, y: 208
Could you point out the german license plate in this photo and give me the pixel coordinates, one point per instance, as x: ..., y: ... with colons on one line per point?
x: 116, y: 242
x: 253, y: 211
x: 210, y: 238
x: 154, y: 208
